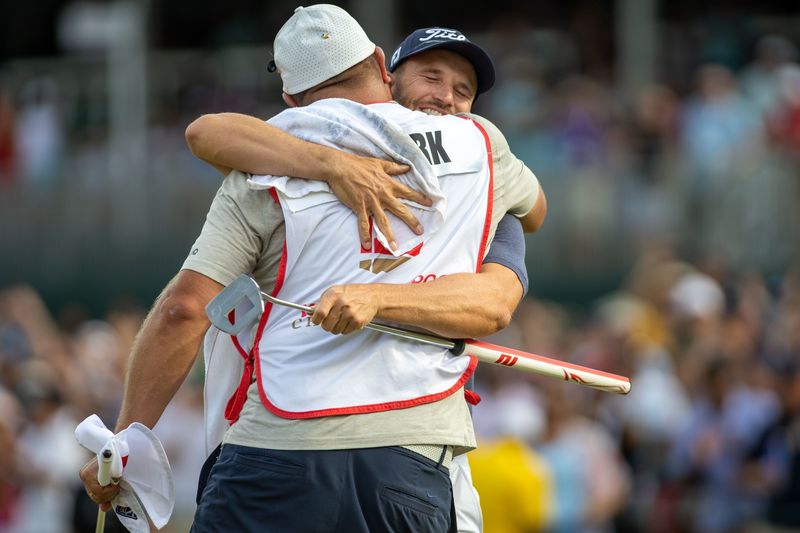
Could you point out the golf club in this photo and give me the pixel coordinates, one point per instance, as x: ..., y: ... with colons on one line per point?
x: 245, y: 289
x: 104, y: 478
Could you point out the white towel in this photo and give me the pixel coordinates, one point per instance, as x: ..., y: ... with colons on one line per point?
x: 357, y: 129
x: 145, y: 478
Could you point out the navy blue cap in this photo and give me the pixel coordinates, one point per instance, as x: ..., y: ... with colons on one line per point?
x: 447, y: 39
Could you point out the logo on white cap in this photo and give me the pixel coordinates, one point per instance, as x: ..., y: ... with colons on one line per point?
x: 317, y: 43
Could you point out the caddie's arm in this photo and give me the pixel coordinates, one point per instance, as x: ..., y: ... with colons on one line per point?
x: 456, y: 306
x: 364, y: 184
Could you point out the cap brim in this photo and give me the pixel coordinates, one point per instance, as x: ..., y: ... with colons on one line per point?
x: 480, y: 60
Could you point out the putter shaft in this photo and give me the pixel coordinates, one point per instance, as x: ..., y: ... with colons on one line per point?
x: 410, y: 335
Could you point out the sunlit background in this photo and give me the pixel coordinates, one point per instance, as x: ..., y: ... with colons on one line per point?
x: 666, y: 135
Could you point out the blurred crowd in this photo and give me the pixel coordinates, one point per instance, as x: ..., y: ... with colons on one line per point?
x: 710, y: 165
x: 690, y: 190
x: 54, y: 372
x: 706, y: 441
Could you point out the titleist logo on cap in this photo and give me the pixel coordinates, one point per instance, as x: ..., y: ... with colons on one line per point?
x: 443, y: 33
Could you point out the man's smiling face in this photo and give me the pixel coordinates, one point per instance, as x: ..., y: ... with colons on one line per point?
x: 437, y: 82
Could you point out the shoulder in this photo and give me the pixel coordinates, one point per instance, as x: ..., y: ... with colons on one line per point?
x: 494, y: 134
x: 235, y: 194
x: 236, y: 185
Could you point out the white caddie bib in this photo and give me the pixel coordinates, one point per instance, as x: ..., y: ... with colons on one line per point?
x: 304, y: 371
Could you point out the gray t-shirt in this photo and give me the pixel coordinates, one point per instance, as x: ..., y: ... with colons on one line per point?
x: 244, y: 233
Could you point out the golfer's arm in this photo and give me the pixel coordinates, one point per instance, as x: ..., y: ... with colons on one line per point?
x: 233, y: 141
x: 466, y: 305
x: 165, y: 348
x: 456, y: 306
x: 533, y: 220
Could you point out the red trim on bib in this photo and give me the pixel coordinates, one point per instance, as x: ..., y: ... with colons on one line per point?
x: 487, y: 225
x: 252, y: 363
x: 472, y: 397
x: 370, y: 408
x: 235, y: 339
x: 237, y: 399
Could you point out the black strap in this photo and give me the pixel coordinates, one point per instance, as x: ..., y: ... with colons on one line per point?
x: 458, y: 346
x: 442, y: 456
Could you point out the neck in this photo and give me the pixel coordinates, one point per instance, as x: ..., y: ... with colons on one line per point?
x: 371, y: 95
x: 363, y: 93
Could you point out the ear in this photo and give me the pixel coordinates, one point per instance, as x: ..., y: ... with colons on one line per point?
x: 289, y: 100
x: 380, y: 58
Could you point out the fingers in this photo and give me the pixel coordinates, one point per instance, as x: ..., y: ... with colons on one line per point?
x: 402, y: 191
x: 364, y: 232
x: 346, y: 323
x: 323, y: 307
x: 101, y: 495
x: 395, y: 169
x: 341, y: 325
x: 404, y: 213
x: 383, y: 222
x: 370, y: 190
x: 353, y: 325
x: 331, y: 321
x: 328, y: 312
x: 98, y: 493
x: 337, y: 313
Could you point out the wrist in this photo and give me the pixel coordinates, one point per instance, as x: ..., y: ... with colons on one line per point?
x: 371, y: 293
x: 329, y: 165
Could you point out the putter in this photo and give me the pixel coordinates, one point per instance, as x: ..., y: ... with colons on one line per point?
x: 245, y: 289
x: 104, y: 478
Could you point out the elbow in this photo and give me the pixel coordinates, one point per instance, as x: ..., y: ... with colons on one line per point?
x: 496, y: 318
x: 176, y: 308
x: 505, y: 320
x: 197, y: 133
x: 502, y: 319
x: 533, y: 221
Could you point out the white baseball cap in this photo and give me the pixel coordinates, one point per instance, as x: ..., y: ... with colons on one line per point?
x: 317, y: 43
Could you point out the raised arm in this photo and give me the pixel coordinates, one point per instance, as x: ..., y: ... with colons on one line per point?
x: 364, y: 184
x: 455, y: 306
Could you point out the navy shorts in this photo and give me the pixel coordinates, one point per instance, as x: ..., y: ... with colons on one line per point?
x: 389, y: 489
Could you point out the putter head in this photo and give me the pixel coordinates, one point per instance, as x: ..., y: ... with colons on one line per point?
x: 243, y: 295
